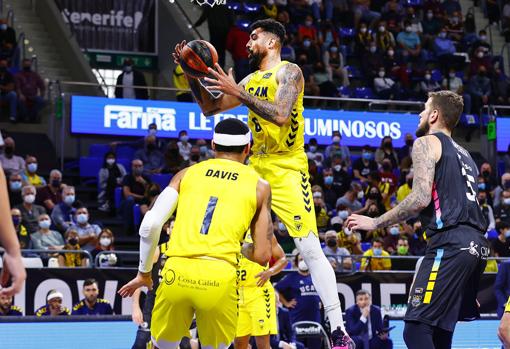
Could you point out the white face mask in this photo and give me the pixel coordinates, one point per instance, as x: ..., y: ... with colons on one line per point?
x: 363, y: 30
x: 373, y: 49
x: 381, y: 74
x: 302, y: 265
x: 452, y: 75
x: 506, y: 201
x: 105, y: 242
x: 347, y: 231
x: 29, y: 199
x: 427, y: 76
x: 361, y: 195
x: 110, y: 161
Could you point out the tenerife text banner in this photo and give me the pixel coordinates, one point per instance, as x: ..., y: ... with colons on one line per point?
x: 130, y: 117
x: 112, y: 25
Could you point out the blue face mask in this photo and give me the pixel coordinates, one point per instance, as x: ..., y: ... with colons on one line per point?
x: 32, y: 167
x: 203, y: 149
x: 328, y: 180
x: 312, y: 148
x: 481, y: 186
x: 377, y: 251
x: 367, y: 156
x: 507, y: 234
x: 394, y: 231
x: 15, y: 185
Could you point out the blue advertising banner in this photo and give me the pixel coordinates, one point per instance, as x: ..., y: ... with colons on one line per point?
x: 503, y: 134
x: 130, y: 117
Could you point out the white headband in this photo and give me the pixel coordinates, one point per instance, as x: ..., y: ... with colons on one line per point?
x: 55, y: 295
x: 231, y: 140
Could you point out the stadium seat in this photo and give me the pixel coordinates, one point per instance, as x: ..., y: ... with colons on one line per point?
x: 243, y: 24
x: 98, y: 150
x: 492, y: 234
x: 118, y: 197
x: 363, y: 92
x: 353, y: 71
x: 365, y: 246
x: 288, y: 266
x: 251, y: 8
x: 125, y: 151
x: 469, y: 120
x: 234, y: 6
x: 161, y: 179
x: 347, y: 33
x: 414, y: 3
x: 137, y: 215
x: 436, y: 75
x: 344, y: 91
x: 501, y: 167
x: 90, y: 166
x: 32, y: 262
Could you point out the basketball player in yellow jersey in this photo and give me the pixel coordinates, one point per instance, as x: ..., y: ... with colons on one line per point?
x: 257, y: 304
x: 274, y: 97
x: 218, y: 200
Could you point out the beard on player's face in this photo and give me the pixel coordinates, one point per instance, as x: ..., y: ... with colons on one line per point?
x: 423, y: 128
x: 255, y: 60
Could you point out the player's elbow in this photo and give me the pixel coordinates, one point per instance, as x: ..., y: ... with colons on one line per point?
x: 262, y: 257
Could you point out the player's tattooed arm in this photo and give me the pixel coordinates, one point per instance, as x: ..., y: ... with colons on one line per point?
x: 424, y: 164
x: 290, y: 84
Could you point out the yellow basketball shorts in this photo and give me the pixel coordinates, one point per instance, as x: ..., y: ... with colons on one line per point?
x: 257, y: 311
x: 291, y: 190
x: 192, y: 286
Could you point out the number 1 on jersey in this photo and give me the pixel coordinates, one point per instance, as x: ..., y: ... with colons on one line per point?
x: 209, y: 211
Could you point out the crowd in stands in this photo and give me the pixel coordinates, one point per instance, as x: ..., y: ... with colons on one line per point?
x: 374, y: 49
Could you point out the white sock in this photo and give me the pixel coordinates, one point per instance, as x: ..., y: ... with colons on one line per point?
x: 323, y: 278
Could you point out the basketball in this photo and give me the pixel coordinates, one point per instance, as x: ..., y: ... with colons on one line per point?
x: 197, y: 56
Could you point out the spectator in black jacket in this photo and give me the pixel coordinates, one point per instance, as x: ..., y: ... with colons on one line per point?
x: 131, y: 77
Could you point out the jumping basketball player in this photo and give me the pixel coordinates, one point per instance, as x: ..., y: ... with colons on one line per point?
x: 274, y: 97
x: 445, y: 195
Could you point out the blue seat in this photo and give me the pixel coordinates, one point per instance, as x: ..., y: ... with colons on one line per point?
x: 126, y: 163
x: 161, y: 179
x: 501, y: 167
x: 353, y: 71
x: 347, y: 32
x: 365, y: 246
x: 234, y: 6
x: 355, y: 158
x: 250, y: 8
x: 137, y: 215
x: 98, y: 150
x: 117, y: 197
x: 492, y: 234
x: 344, y: 91
x: 243, y: 24
x: 90, y: 166
x: 414, y: 3
x: 288, y: 266
x: 469, y: 120
x: 363, y: 92
x: 125, y: 151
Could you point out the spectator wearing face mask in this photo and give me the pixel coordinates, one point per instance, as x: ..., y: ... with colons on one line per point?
x: 335, y: 254
x: 205, y: 152
x: 405, y: 189
x: 455, y: 26
x: 486, y: 209
x: 385, y: 87
x: 30, y: 90
x: 30, y: 212
x: 409, y: 43
x: 51, y: 195
x: 321, y: 213
x: 53, y: 305
x: 402, y: 251
x: 363, y: 39
x: 455, y: 84
x: 7, y: 90
x: 427, y: 85
x: 7, y: 33
x: 184, y: 145
x: 480, y: 89
x: 417, y: 242
x: 21, y: 231
x: 384, y: 38
x: 488, y: 176
x: 173, y: 159
x: 92, y: 304
x: 386, y: 151
x: 127, y: 79
x: 364, y: 165
x: 110, y: 177
x: 390, y: 241
x: 371, y: 62
x: 105, y: 243
x: 503, y: 185
x: 431, y: 25
x: 502, y: 212
x: 352, y: 198
x: 309, y: 48
x: 377, y: 193
x: 307, y: 30
x: 62, y: 214
x: 297, y: 293
x: 372, y: 264
x: 501, y: 245
x: 479, y: 59
x: 347, y: 238
x: 133, y: 188
x: 313, y: 151
x: 10, y: 162
x: 393, y: 15
x: 152, y: 158
x: 87, y: 233
x: 407, y: 149
x: 335, y: 148
x: 72, y: 259
x: 334, y: 62
x: 30, y: 176
x: 341, y: 178
x: 330, y: 193
x: 194, y: 156
x: 45, y: 238
x: 14, y: 190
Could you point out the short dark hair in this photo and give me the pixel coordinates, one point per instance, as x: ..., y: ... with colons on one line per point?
x: 271, y: 26
x: 231, y: 126
x: 89, y: 282
x: 502, y: 225
x: 403, y: 238
x: 362, y: 292
x: 374, y: 240
x: 450, y: 104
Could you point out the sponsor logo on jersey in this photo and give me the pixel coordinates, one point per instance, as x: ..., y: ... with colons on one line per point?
x: 471, y: 249
x: 416, y: 301
x: 169, y: 277
x: 267, y: 75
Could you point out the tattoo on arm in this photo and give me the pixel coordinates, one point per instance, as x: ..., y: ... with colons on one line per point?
x: 290, y: 85
x: 424, y: 166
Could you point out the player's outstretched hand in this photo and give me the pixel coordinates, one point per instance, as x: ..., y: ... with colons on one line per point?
x: 14, y: 271
x: 177, y: 53
x: 222, y: 81
x: 139, y: 281
x: 263, y: 277
x: 359, y: 222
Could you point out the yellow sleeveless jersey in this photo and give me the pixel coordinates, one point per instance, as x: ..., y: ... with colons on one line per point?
x: 248, y: 269
x: 217, y: 202
x: 269, y: 138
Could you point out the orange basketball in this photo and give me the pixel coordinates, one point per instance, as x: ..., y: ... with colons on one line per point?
x: 197, y: 56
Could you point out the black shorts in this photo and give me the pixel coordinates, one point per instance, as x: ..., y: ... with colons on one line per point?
x: 446, y: 284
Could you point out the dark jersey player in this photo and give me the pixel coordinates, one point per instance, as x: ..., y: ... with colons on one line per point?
x: 445, y: 196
